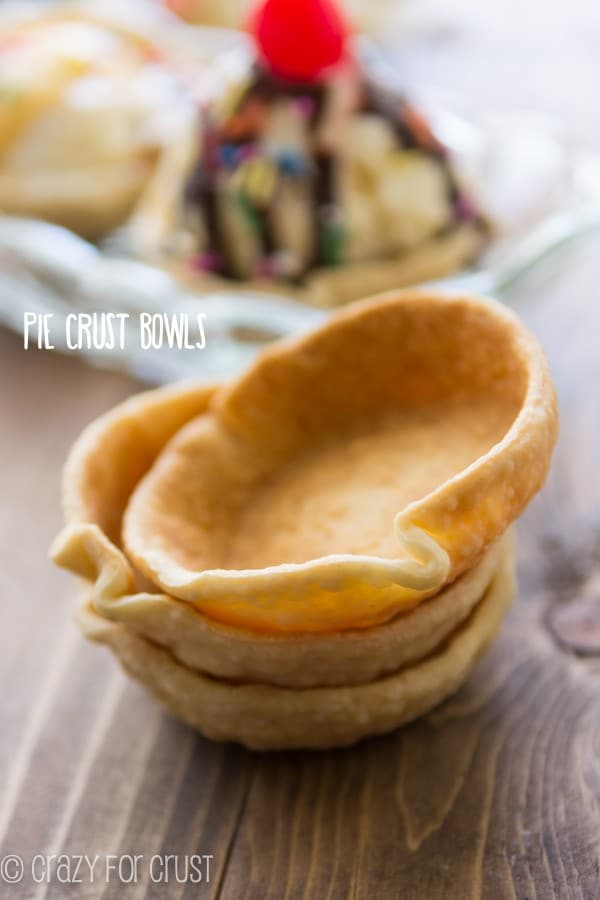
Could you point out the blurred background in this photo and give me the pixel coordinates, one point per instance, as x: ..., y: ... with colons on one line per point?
x: 99, y: 112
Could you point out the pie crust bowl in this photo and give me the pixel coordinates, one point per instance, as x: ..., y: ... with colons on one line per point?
x: 344, y: 479
x: 266, y: 717
x: 350, y: 474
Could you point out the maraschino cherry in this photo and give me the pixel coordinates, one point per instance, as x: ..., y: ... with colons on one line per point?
x: 299, y: 39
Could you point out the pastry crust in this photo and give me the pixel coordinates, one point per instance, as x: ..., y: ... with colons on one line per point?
x: 115, y: 450
x: 286, y: 660
x: 265, y: 717
x: 412, y: 425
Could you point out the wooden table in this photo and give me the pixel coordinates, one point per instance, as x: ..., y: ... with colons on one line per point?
x: 496, y: 794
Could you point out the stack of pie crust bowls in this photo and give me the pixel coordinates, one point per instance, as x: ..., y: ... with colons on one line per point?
x: 319, y: 550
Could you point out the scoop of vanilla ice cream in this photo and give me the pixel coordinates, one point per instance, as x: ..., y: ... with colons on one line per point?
x: 368, y: 143
x: 391, y: 198
x: 413, y: 197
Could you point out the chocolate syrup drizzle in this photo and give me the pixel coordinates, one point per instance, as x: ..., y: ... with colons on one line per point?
x: 201, y: 189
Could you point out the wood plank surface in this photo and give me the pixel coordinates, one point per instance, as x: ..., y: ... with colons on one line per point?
x: 496, y: 794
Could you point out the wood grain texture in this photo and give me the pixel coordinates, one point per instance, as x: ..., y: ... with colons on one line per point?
x: 496, y: 794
